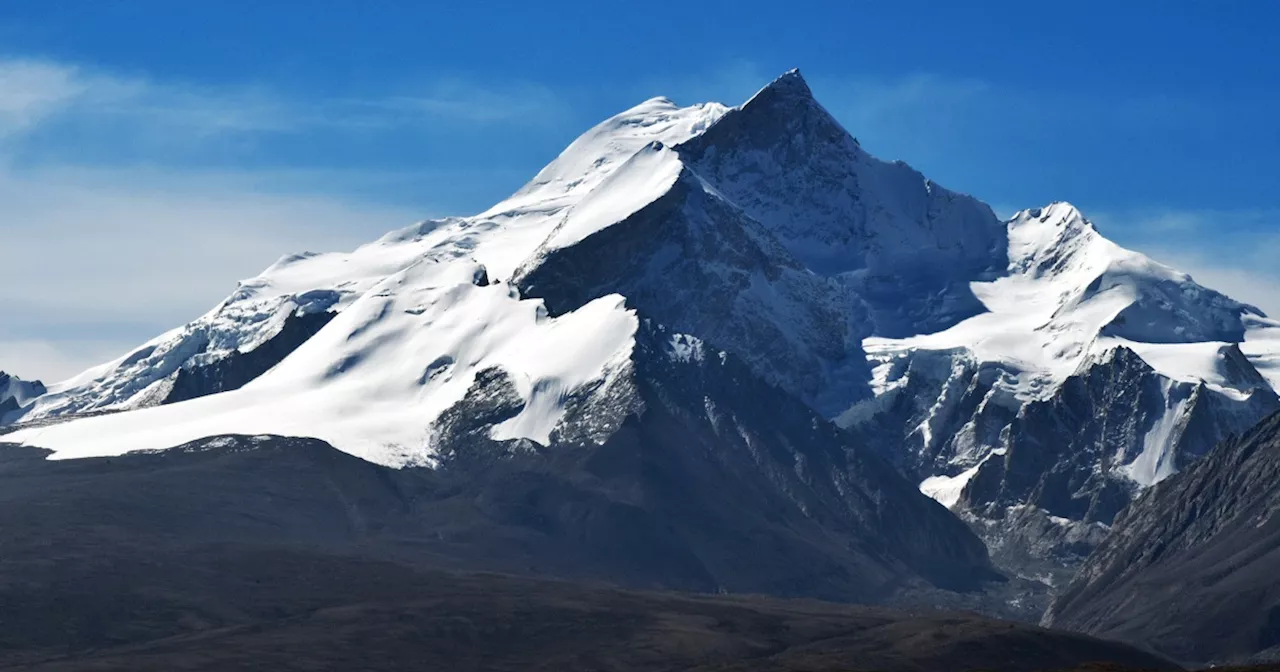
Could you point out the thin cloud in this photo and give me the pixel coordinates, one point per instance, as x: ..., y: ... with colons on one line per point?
x: 130, y: 254
x: 36, y: 359
x: 477, y: 103
x: 123, y: 250
x: 1254, y: 284
x: 126, y: 252
x: 34, y: 92
x: 1229, y: 222
x: 1225, y: 249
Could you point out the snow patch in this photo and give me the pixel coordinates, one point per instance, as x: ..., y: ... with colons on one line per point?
x: 947, y: 489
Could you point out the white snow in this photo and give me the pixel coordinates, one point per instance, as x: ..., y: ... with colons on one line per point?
x: 412, y: 329
x: 685, y: 348
x: 1262, y: 346
x: 947, y: 489
x: 647, y: 174
x: 1066, y: 286
x: 1069, y: 298
x: 22, y: 391
x: 374, y: 380
x: 590, y: 159
x: 561, y: 199
x: 1157, y: 461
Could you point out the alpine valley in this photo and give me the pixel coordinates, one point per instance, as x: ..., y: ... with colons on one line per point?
x: 713, y: 349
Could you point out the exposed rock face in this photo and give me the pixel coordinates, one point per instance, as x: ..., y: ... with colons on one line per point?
x: 1115, y: 415
x: 906, y: 246
x: 234, y: 370
x: 731, y: 468
x: 1095, y: 373
x: 698, y: 264
x: 1189, y: 568
x: 15, y: 394
x: 1047, y: 477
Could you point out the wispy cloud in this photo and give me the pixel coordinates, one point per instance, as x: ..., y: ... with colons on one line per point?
x: 1234, y: 251
x: 34, y: 92
x: 1225, y: 224
x: 30, y: 91
x: 460, y: 100
x: 910, y: 104
x: 128, y: 254
x: 54, y: 359
x: 1253, y: 284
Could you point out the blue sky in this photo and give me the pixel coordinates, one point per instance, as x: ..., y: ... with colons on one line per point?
x: 152, y: 153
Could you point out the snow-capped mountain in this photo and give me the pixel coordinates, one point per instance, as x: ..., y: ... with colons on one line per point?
x: 1069, y: 302
x: 1094, y: 372
x: 590, y: 444
x: 1027, y: 371
x: 624, y: 209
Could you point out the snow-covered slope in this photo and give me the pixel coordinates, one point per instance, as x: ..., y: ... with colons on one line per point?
x: 310, y: 283
x: 1093, y: 372
x: 374, y: 380
x: 1070, y: 295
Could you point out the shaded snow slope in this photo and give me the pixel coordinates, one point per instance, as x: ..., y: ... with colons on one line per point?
x: 906, y: 246
x: 697, y: 263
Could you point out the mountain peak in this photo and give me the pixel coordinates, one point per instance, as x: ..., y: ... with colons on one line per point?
x: 1058, y: 212
x: 790, y: 85
x: 782, y: 114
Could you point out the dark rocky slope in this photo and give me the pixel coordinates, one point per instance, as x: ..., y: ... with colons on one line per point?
x: 687, y: 472
x: 238, y: 368
x: 1190, y: 568
x: 275, y: 606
